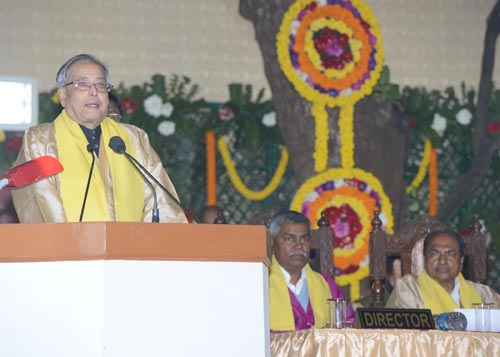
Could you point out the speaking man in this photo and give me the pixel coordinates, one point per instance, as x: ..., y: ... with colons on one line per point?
x: 117, y: 192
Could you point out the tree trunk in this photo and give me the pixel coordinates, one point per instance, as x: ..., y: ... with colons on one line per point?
x: 381, y: 136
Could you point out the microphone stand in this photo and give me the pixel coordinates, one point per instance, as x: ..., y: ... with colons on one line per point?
x: 91, y: 148
x: 156, y: 211
x: 172, y: 197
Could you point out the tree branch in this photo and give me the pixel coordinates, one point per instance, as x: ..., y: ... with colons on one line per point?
x: 483, y: 147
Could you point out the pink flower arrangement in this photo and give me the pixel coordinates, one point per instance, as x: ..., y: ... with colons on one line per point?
x: 128, y: 105
x: 226, y: 113
x: 493, y: 127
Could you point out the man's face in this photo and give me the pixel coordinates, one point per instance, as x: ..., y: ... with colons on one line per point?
x: 86, y: 107
x: 292, y: 246
x: 442, y: 260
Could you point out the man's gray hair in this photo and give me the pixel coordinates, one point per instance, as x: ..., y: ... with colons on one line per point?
x: 286, y: 217
x: 62, y: 73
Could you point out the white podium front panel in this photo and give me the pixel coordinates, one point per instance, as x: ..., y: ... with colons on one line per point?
x: 51, y: 309
x: 134, y: 308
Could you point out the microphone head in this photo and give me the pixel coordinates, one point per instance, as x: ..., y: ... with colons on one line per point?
x: 92, y: 147
x: 117, y: 144
x: 33, y: 170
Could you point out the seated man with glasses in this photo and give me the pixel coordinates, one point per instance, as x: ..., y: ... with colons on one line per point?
x: 79, y: 135
x: 441, y: 286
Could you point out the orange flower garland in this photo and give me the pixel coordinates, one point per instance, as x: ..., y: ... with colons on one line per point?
x: 350, y: 195
x: 211, y: 175
x: 334, y: 11
x: 331, y: 51
x: 433, y: 183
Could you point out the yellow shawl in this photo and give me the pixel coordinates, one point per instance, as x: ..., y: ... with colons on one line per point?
x: 76, y: 160
x: 280, y: 306
x: 436, y: 298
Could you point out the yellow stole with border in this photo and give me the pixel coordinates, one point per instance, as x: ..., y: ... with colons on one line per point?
x: 436, y: 298
x: 280, y: 306
x: 76, y: 160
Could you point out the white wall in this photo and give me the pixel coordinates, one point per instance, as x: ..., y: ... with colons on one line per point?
x: 433, y: 43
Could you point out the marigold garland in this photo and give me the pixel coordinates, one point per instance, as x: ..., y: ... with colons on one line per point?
x: 326, y: 74
x: 433, y: 182
x: 332, y: 53
x: 346, y: 128
x: 298, y: 60
x: 321, y: 145
x: 211, y: 175
x: 422, y: 169
x: 238, y: 183
x: 363, y: 205
x: 353, y: 280
x: 309, y: 191
x: 314, y: 195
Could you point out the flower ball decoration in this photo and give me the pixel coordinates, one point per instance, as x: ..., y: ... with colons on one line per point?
x: 332, y: 52
x: 349, y: 198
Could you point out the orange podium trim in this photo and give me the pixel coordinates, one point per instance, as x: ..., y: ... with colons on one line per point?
x: 133, y: 241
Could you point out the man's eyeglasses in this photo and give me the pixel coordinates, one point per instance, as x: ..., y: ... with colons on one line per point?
x: 103, y: 87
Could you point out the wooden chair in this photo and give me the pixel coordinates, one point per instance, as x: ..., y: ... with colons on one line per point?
x: 321, y: 242
x: 401, y: 245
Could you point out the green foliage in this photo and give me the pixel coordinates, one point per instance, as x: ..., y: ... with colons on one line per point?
x: 241, y: 118
x: 193, y: 117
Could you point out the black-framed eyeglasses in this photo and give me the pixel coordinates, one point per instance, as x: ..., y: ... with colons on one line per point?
x: 103, y: 87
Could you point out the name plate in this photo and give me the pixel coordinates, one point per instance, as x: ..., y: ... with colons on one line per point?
x: 396, y: 318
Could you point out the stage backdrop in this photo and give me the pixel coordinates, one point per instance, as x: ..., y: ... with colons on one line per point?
x: 427, y: 42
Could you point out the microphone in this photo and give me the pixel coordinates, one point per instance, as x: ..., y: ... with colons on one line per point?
x: 118, y: 145
x: 90, y: 148
x: 31, y: 171
x: 454, y: 321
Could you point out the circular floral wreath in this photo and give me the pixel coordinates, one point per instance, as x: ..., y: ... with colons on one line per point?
x: 348, y: 197
x: 331, y: 50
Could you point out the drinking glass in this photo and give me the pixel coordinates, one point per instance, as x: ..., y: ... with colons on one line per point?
x: 337, y: 313
x: 483, y: 316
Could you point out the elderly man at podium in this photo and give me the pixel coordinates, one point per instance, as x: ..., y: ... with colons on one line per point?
x: 79, y: 137
x: 297, y: 294
x: 441, y: 286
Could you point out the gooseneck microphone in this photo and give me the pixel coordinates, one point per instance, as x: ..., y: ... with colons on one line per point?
x: 118, y: 145
x: 90, y: 148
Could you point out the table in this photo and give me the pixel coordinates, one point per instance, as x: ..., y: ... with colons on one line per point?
x: 393, y: 343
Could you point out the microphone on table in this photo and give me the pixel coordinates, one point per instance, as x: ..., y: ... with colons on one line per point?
x: 90, y: 148
x: 454, y: 321
x: 30, y: 171
x: 118, y: 145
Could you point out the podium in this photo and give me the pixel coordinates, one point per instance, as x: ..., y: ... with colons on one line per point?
x: 133, y: 289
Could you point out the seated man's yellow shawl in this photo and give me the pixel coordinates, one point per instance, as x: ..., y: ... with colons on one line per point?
x: 425, y: 293
x: 280, y: 306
